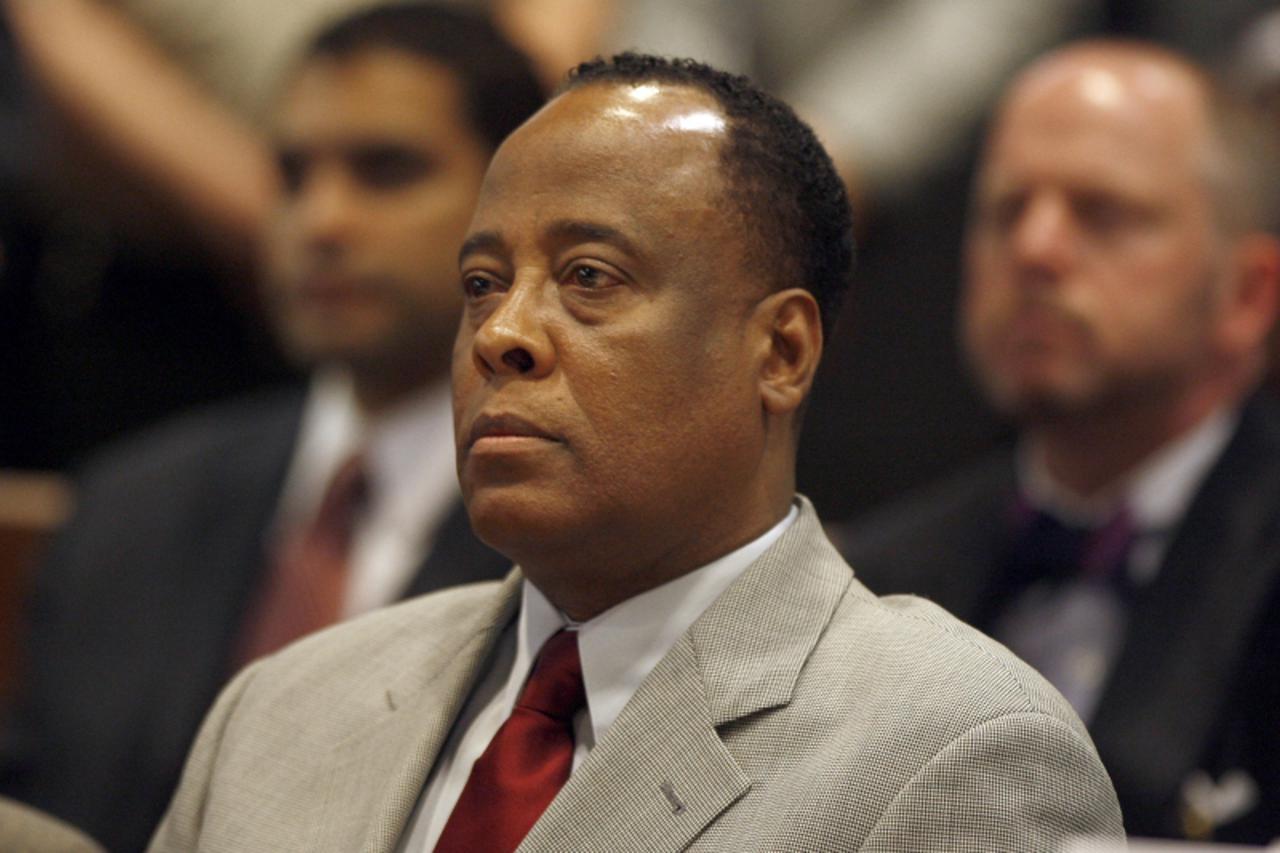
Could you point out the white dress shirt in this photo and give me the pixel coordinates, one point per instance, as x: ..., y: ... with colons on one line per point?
x: 1156, y: 493
x: 618, y: 648
x: 412, y: 480
x: 1074, y: 632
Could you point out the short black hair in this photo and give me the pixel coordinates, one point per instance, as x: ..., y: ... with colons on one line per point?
x: 778, y: 174
x: 498, y: 81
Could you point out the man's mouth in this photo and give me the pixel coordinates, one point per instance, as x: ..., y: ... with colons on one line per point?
x: 502, y: 428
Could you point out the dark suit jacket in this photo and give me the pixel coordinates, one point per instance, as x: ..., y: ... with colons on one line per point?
x: 139, y: 601
x: 1197, y: 682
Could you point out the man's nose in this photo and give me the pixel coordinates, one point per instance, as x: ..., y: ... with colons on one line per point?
x: 325, y: 208
x: 513, y: 340
x: 1044, y: 237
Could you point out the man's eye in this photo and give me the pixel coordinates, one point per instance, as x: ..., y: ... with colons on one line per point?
x: 293, y: 170
x: 1002, y: 213
x: 590, y: 277
x: 388, y: 168
x: 478, y: 286
x: 1106, y: 215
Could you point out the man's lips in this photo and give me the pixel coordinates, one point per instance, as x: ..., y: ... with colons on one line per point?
x: 505, y: 426
x: 331, y: 286
x: 1039, y: 324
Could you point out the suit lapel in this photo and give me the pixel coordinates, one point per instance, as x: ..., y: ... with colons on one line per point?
x: 663, y: 773
x: 660, y: 775
x: 1190, y: 627
x: 382, y: 769
x: 223, y: 539
x: 977, y: 541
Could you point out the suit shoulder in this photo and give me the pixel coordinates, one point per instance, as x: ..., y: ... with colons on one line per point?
x: 972, y: 490
x: 951, y: 664
x: 402, y: 631
x: 202, y: 438
x: 928, y: 542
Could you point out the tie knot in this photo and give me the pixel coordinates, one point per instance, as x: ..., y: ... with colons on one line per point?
x: 343, y: 500
x: 1054, y: 549
x: 555, y: 686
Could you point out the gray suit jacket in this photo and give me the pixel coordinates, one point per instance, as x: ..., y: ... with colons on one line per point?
x: 799, y: 712
x: 27, y: 830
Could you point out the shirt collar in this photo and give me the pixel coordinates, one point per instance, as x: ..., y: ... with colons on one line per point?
x: 415, y: 435
x: 1156, y: 492
x: 620, y: 647
x: 395, y: 443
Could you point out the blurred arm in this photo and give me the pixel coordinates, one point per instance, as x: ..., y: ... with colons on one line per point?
x: 137, y: 106
x: 893, y: 95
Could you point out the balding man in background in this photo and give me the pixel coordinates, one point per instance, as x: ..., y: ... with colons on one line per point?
x: 1122, y: 282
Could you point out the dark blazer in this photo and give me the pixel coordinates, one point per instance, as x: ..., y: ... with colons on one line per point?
x: 138, y: 603
x: 1197, y: 682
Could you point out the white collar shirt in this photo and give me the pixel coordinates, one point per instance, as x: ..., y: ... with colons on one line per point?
x: 618, y: 649
x: 409, y: 455
x: 1156, y: 493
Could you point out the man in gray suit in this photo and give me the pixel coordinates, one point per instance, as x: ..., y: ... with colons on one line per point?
x: 647, y: 277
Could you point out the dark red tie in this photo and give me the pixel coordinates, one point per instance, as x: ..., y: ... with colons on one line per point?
x: 527, y: 761
x: 305, y: 588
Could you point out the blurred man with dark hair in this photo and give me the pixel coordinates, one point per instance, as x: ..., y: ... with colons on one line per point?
x: 209, y: 542
x: 1123, y: 278
x: 681, y: 660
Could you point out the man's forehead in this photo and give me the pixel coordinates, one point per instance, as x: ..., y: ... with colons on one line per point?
x: 1126, y: 111
x: 643, y: 106
x: 1124, y: 89
x: 643, y: 127
x: 642, y: 152
x: 376, y: 86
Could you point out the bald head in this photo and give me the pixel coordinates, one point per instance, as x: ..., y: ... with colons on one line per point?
x: 1136, y: 86
x: 1099, y: 68
x: 1114, y: 255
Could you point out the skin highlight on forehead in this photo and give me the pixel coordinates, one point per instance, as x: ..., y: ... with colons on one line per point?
x: 692, y: 120
x: 679, y: 119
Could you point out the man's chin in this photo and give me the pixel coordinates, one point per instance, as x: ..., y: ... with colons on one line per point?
x: 1041, y: 404
x: 327, y: 351
x: 511, y: 517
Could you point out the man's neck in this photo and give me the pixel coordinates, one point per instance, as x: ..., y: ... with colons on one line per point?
x: 1089, y: 454
x: 376, y: 394
x: 575, y: 583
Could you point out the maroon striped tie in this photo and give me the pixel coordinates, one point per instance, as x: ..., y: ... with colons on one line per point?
x: 306, y: 586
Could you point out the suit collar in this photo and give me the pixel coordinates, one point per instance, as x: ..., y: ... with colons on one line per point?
x: 381, y: 770
x: 753, y: 642
x: 1213, y: 584
x: 662, y: 772
x: 620, y: 646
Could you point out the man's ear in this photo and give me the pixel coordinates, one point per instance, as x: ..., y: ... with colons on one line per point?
x: 790, y: 334
x: 1255, y: 296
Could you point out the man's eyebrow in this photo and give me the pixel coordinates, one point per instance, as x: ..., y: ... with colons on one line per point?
x: 579, y: 231
x: 482, y: 241
x: 563, y: 230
